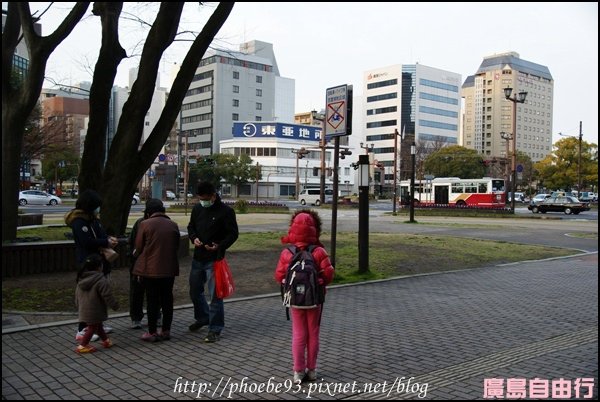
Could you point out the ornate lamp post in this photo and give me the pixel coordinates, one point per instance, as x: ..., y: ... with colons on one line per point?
x: 515, y: 99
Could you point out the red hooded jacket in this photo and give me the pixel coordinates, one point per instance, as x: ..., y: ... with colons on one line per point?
x: 303, y: 233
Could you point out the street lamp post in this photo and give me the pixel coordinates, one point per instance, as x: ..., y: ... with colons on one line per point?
x: 269, y: 175
x: 363, y: 213
x: 368, y: 148
x: 515, y: 99
x: 578, y: 158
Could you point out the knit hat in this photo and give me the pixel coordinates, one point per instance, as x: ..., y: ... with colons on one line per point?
x: 154, y: 205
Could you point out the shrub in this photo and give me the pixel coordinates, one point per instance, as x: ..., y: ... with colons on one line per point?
x: 241, y: 206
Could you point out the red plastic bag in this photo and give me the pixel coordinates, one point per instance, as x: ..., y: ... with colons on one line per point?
x: 224, y: 286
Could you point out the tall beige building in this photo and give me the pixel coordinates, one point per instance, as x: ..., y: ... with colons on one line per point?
x: 488, y: 114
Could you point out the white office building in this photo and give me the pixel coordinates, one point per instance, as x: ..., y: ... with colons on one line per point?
x: 489, y: 116
x: 419, y: 102
x: 273, y: 146
x: 231, y: 86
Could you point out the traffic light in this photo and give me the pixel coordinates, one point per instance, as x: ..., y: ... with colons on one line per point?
x: 301, y: 152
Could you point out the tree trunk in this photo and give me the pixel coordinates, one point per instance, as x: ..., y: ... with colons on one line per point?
x: 20, y: 92
x: 126, y: 165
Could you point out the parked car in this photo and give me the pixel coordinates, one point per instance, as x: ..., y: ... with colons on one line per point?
x: 567, y: 205
x: 36, y: 197
x: 135, y: 200
x: 169, y: 195
x: 182, y: 193
x: 313, y: 196
x: 588, y: 196
x: 519, y: 197
x: 539, y: 198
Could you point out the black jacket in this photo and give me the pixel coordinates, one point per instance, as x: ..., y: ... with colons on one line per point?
x: 89, y: 235
x: 215, y: 224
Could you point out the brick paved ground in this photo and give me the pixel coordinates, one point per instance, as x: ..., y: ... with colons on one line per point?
x: 445, y: 333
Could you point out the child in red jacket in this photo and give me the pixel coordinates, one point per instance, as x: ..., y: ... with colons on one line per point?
x: 305, y: 229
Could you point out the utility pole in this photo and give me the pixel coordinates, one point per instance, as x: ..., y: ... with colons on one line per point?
x: 299, y: 155
x: 257, y: 176
x: 395, y: 200
x: 186, y: 168
x: 323, y: 147
x: 579, y: 162
x: 413, y: 152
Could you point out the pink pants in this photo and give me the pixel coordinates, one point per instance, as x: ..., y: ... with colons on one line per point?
x: 305, y: 338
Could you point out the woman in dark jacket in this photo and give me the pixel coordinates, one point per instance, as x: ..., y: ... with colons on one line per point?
x: 89, y: 236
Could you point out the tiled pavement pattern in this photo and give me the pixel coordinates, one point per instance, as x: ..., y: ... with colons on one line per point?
x: 447, y: 331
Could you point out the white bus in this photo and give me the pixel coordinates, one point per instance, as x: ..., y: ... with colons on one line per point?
x: 486, y: 192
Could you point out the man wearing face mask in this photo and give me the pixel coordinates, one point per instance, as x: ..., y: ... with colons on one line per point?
x: 212, y: 229
x: 89, y: 236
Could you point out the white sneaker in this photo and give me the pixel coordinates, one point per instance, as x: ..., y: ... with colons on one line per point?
x: 136, y: 325
x: 311, y: 375
x: 298, y: 377
x: 80, y: 334
x: 107, y: 329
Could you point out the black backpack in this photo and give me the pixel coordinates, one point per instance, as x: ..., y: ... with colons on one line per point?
x: 301, y: 288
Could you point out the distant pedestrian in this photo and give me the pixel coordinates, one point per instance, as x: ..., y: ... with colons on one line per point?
x: 212, y: 230
x: 157, y: 265
x: 304, y: 231
x: 89, y: 236
x: 93, y: 296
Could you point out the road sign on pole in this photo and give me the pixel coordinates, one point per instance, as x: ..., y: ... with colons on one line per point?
x: 336, y: 114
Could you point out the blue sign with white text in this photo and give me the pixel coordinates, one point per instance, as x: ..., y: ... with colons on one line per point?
x: 277, y: 130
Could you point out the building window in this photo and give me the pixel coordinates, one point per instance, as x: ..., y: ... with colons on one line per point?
x: 259, y: 79
x: 236, y: 75
x: 235, y: 116
x: 236, y: 103
x: 258, y: 106
x: 259, y: 92
x: 236, y: 89
x: 258, y: 118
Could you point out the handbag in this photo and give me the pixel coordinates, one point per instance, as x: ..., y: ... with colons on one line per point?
x: 224, y: 286
x: 109, y: 254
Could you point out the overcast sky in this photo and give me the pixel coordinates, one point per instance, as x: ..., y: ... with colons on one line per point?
x: 321, y: 45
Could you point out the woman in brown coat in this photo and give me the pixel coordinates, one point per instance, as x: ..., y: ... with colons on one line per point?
x: 157, y: 265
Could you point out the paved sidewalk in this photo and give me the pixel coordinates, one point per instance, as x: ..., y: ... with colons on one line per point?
x: 431, y: 337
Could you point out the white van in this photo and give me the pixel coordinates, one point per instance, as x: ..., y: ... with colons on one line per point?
x: 313, y: 196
